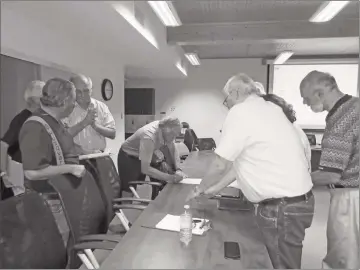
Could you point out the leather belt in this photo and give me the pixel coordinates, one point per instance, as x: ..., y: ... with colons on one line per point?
x: 333, y: 186
x: 290, y: 200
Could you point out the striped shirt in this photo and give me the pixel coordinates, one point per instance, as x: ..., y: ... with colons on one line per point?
x: 340, y: 143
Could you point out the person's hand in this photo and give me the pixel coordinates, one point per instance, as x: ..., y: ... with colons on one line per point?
x: 175, y: 178
x: 181, y: 173
x: 90, y: 116
x: 5, y: 178
x: 192, y: 195
x: 78, y: 170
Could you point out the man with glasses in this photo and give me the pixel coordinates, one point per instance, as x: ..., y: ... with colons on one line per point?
x: 91, y: 121
x: 339, y: 166
x: 261, y: 145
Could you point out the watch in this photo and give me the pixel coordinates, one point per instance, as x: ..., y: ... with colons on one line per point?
x: 2, y: 174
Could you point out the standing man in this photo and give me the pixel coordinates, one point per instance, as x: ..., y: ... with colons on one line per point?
x: 10, y: 148
x: 339, y: 166
x: 136, y: 153
x: 263, y: 147
x: 91, y: 121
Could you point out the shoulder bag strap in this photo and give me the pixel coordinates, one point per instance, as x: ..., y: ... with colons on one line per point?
x: 58, y: 151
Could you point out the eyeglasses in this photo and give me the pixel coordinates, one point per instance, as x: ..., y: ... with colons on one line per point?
x: 225, y: 101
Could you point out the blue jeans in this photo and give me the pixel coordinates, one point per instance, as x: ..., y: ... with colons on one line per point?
x: 283, y: 225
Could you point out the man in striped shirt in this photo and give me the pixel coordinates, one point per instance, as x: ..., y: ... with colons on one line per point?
x: 339, y: 166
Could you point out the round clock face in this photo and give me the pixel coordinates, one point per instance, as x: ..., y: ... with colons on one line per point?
x: 107, y: 89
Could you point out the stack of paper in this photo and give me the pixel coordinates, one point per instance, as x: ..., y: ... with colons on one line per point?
x: 172, y: 223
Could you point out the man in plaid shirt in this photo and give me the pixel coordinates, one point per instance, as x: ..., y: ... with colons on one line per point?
x: 339, y: 166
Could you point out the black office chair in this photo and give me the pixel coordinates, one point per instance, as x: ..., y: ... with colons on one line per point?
x: 191, y: 140
x: 87, y: 216
x: 29, y: 236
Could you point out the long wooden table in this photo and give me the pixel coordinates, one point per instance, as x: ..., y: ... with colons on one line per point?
x: 147, y: 248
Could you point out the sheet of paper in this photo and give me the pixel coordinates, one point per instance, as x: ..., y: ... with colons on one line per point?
x: 95, y: 155
x: 197, y: 181
x: 16, y: 177
x: 233, y: 184
x: 172, y: 223
x: 191, y: 181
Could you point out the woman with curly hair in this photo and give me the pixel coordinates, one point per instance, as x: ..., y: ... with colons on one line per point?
x: 291, y: 115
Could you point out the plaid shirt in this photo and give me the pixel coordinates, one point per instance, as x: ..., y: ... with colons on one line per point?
x: 340, y: 144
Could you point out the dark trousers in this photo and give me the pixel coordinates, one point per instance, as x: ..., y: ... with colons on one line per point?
x: 129, y: 168
x: 283, y: 225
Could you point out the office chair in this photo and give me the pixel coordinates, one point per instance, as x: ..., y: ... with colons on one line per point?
x: 29, y: 235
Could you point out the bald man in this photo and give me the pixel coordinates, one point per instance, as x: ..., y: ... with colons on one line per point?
x: 91, y: 121
x: 339, y: 166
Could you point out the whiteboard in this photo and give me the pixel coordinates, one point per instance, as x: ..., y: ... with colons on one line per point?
x: 286, y: 84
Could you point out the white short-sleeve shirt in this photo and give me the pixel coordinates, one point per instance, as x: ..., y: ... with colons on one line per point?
x: 89, y: 139
x: 266, y: 152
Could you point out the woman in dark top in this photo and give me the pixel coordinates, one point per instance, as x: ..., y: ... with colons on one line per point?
x: 10, y: 142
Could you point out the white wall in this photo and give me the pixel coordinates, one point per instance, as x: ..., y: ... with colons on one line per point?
x: 63, y: 53
x: 197, y: 99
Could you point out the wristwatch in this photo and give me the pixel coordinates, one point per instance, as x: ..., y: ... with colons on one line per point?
x: 3, y: 174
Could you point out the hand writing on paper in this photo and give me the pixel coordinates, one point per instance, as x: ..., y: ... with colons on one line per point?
x: 182, y: 174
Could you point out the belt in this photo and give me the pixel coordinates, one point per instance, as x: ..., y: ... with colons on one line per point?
x: 333, y: 186
x: 290, y: 200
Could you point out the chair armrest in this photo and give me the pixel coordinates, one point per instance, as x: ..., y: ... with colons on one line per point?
x: 95, y: 245
x: 129, y: 206
x: 100, y: 237
x: 120, y: 200
x: 145, y: 183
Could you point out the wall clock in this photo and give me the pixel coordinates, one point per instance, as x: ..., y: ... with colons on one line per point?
x: 107, y: 89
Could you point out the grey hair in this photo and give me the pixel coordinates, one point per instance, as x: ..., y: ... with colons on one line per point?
x: 80, y: 77
x: 243, y: 84
x: 260, y: 87
x: 318, y: 78
x: 55, y: 92
x: 170, y: 122
x: 33, y: 89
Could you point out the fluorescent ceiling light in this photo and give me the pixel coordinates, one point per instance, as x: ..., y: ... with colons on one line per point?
x: 193, y: 59
x: 181, y: 68
x: 129, y: 16
x: 283, y: 57
x: 166, y: 12
x: 327, y: 11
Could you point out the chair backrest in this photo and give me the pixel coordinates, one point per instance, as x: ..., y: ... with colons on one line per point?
x: 108, y: 181
x: 83, y: 206
x: 206, y: 144
x: 190, y: 139
x: 29, y: 236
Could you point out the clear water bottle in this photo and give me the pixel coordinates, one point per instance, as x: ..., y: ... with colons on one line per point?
x: 186, y: 226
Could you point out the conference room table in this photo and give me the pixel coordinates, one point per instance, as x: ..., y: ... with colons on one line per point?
x: 143, y: 247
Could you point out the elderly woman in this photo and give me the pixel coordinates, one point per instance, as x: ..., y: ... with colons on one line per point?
x: 42, y: 156
x: 10, y: 150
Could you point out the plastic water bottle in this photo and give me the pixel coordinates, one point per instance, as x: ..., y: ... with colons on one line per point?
x: 186, y: 226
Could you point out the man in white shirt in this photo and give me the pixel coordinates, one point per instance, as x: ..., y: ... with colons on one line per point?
x: 91, y: 121
x: 263, y: 147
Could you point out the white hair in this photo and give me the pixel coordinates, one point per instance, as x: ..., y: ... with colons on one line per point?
x: 242, y: 84
x: 260, y: 87
x: 34, y: 89
x: 170, y: 122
